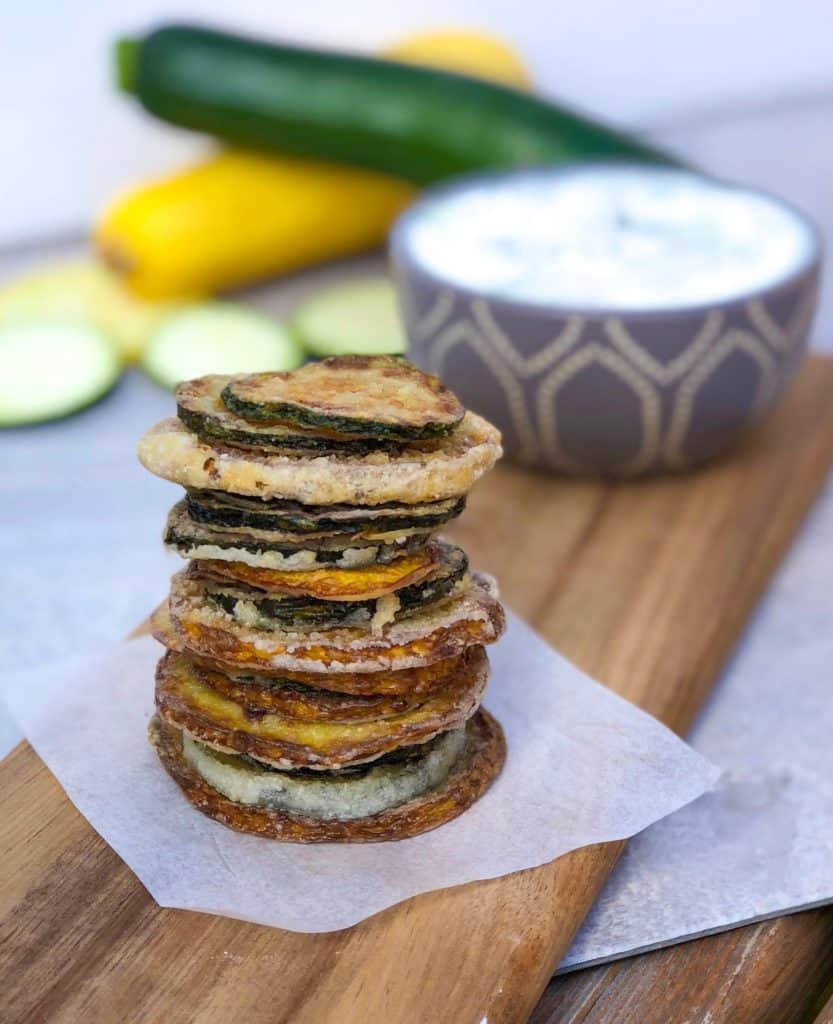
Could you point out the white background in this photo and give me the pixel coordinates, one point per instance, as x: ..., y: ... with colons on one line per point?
x: 68, y: 140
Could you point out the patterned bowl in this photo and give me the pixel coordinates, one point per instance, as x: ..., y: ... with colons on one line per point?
x: 612, y: 393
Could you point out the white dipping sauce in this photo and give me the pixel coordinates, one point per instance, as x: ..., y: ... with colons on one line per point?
x: 608, y: 237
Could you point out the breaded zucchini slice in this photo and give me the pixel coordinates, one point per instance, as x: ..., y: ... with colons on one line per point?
x: 219, y: 508
x: 368, y: 806
x: 200, y: 407
x: 267, y: 609
x: 267, y: 549
x: 379, y: 397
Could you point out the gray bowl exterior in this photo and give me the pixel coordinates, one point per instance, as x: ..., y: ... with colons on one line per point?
x: 604, y: 393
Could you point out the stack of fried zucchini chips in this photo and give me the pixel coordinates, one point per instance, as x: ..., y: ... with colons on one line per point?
x: 325, y: 658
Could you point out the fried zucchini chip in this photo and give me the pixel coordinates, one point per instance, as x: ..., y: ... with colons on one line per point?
x: 270, y: 609
x: 200, y: 407
x: 237, y: 510
x: 473, y: 615
x: 353, y: 396
x: 411, y: 683
x: 476, y: 766
x: 292, y: 552
x: 186, y: 698
x: 259, y: 694
x: 173, y: 452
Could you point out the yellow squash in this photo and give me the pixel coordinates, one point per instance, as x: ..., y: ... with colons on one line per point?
x: 240, y: 217
x: 479, y: 54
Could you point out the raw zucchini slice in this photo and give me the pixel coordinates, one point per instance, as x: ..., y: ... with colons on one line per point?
x: 359, y: 317
x: 257, y: 609
x: 50, y: 369
x: 357, y: 396
x: 237, y: 510
x: 84, y: 292
x: 200, y: 407
x: 217, y: 337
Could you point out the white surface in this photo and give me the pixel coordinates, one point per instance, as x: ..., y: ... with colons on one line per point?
x: 584, y: 766
x: 762, y: 842
x: 70, y: 141
x: 607, y: 237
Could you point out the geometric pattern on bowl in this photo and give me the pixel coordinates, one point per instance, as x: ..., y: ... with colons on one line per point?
x: 612, y: 395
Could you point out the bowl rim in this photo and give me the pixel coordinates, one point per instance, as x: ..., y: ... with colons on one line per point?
x: 403, y: 262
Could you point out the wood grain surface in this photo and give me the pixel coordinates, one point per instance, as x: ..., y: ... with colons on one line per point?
x: 644, y: 585
x: 826, y: 1014
x: 769, y: 973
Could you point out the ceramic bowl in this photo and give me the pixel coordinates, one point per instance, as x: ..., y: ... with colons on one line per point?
x: 612, y: 393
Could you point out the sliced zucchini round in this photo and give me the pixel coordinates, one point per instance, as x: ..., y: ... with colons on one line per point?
x: 200, y: 407
x: 217, y: 337
x: 345, y: 793
x: 236, y: 510
x: 84, y: 292
x: 49, y: 369
x: 258, y: 609
x: 355, y: 396
x: 356, y: 318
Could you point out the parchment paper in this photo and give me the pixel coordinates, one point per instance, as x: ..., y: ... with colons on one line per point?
x: 584, y: 766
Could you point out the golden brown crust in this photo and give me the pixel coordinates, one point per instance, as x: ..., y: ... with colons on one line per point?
x: 171, y: 451
x: 260, y: 694
x: 415, y: 682
x: 479, y: 766
x: 201, y: 408
x: 186, y: 698
x: 439, y: 631
x: 330, y: 584
x: 360, y: 394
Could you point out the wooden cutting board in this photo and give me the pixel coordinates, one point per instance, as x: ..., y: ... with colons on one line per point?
x: 645, y: 585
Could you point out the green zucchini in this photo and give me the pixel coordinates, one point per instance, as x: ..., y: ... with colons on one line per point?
x: 252, y: 606
x: 217, y: 337
x: 51, y: 368
x: 355, y: 396
x: 261, y: 548
x: 418, y: 123
x: 358, y: 317
x: 200, y: 407
x: 234, y: 510
x: 84, y: 292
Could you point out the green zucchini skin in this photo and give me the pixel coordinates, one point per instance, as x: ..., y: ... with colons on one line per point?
x: 204, y: 507
x: 417, y: 123
x: 306, y: 419
x: 212, y: 430
x: 185, y: 536
x: 428, y: 413
x: 200, y: 407
x: 312, y: 611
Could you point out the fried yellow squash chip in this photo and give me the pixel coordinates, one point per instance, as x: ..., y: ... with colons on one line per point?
x: 186, y: 698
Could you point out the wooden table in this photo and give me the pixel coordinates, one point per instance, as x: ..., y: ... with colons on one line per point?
x: 773, y: 972
x: 646, y: 586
